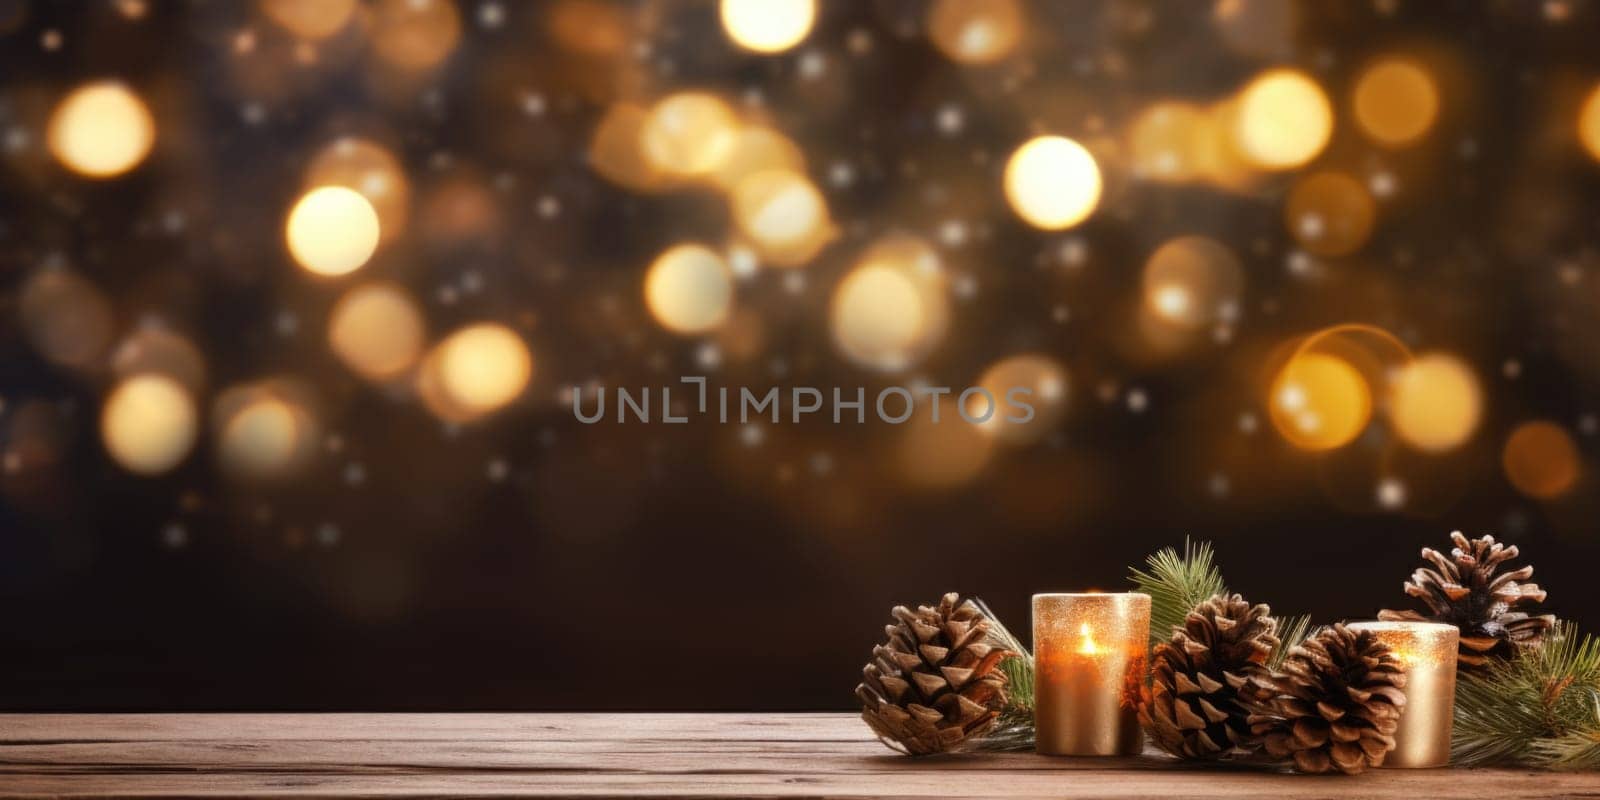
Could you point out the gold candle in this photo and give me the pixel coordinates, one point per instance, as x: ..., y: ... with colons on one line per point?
x: 1089, y: 662
x: 1428, y: 651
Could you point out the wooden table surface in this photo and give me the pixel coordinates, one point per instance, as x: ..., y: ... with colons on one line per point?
x: 660, y: 755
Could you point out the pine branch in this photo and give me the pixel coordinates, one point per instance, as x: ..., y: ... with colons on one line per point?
x: 1539, y: 709
x: 1012, y: 732
x: 1014, y: 729
x: 1291, y: 632
x: 1579, y: 749
x: 1018, y: 668
x: 1177, y: 583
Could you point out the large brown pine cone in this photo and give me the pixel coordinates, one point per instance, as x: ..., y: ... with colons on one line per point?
x: 1334, y: 704
x: 935, y: 685
x: 1192, y: 708
x: 1468, y: 590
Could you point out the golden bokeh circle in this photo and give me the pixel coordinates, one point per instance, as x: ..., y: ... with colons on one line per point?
x: 1319, y: 401
x: 1435, y: 403
x: 940, y: 455
x: 1281, y: 120
x: 1330, y: 213
x: 783, y: 215
x: 688, y: 134
x: 767, y: 26
x: 261, y: 439
x: 689, y: 289
x: 310, y: 19
x: 148, y: 424
x: 1192, y: 281
x: 415, y: 35
x: 976, y: 31
x: 332, y: 230
x: 265, y: 429
x: 1589, y: 123
x: 370, y: 169
x: 616, y: 150
x: 101, y: 130
x: 1396, y: 101
x: 376, y: 329
x: 1052, y: 182
x: 891, y: 309
x: 1169, y: 141
x: 1033, y: 379
x: 1541, y: 460
x: 475, y: 371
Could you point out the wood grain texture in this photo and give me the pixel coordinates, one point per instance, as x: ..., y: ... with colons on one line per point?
x: 655, y: 755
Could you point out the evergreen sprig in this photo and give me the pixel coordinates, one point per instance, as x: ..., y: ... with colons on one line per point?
x: 1291, y: 632
x: 1578, y: 749
x: 1176, y: 584
x: 1540, y: 709
x: 1014, y: 729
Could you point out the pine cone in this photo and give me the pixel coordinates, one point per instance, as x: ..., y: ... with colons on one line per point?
x: 1466, y: 592
x: 1335, y: 704
x: 935, y: 684
x: 1192, y: 708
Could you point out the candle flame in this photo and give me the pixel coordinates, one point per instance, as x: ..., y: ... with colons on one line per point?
x: 1087, y: 646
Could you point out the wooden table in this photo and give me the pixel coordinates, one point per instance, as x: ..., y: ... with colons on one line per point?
x: 661, y: 755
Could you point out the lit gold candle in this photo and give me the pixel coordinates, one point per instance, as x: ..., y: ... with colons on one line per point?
x: 1089, y: 657
x: 1428, y: 651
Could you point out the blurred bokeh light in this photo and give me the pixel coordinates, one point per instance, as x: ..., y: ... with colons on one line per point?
x: 768, y: 26
x: 101, y: 130
x: 148, y: 423
x: 1052, y: 182
x: 689, y: 289
x: 377, y: 330
x: 1436, y: 402
x: 332, y: 230
x: 1281, y: 120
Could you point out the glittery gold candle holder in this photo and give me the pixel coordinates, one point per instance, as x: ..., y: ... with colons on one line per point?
x: 1089, y: 662
x: 1428, y: 651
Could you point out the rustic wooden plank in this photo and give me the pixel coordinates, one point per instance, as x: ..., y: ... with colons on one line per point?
x: 981, y: 783
x: 656, y: 755
x: 568, y: 726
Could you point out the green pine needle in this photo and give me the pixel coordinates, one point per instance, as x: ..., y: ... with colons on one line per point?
x: 1291, y: 632
x: 1578, y: 749
x: 1539, y: 709
x: 1013, y: 731
x: 1177, y: 583
x: 1018, y: 668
